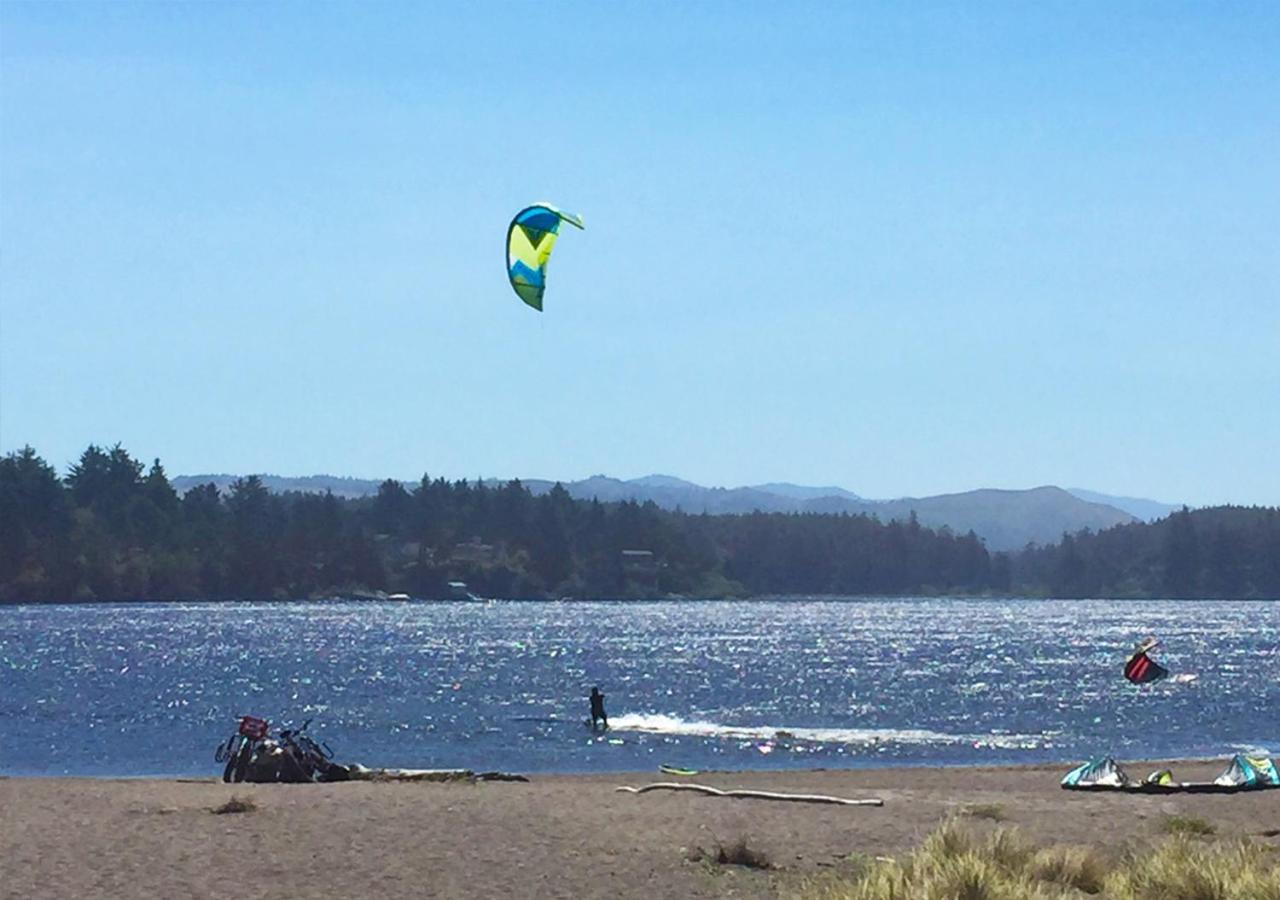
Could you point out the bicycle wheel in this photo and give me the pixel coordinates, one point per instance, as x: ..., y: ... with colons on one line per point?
x: 232, y: 756
x: 242, y: 759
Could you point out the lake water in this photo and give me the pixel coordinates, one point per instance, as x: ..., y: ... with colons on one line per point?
x: 151, y: 689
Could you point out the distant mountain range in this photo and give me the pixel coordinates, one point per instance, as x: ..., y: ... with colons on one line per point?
x: 1004, y: 519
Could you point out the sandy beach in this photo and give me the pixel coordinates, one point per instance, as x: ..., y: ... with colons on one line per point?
x: 557, y: 836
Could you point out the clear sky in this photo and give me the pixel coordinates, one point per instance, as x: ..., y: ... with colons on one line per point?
x: 905, y: 248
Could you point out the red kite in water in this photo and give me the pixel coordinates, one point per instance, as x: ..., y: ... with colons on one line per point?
x: 1141, y: 668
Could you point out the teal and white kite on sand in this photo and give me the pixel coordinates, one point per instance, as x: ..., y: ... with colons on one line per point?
x: 1243, y: 773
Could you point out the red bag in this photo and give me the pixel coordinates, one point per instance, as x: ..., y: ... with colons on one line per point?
x: 252, y: 727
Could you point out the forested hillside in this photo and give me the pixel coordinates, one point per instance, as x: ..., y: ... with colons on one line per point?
x: 115, y: 529
x: 1223, y: 551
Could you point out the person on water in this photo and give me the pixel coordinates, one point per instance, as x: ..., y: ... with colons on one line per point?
x: 598, y: 717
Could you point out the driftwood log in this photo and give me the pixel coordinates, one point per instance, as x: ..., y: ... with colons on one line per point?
x: 360, y: 773
x: 757, y: 795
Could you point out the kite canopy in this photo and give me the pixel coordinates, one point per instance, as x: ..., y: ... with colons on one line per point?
x: 1103, y: 772
x: 530, y: 237
x: 1249, y: 772
x: 1141, y: 668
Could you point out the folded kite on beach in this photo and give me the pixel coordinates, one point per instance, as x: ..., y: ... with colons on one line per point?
x: 1243, y: 773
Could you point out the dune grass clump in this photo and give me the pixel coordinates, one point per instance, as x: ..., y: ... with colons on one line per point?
x: 992, y: 812
x: 739, y: 853
x: 235, y: 805
x: 951, y: 864
x: 1083, y: 868
x: 1187, y: 825
x: 1185, y: 869
x: 955, y: 864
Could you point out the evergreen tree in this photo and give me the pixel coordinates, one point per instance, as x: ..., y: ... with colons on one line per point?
x: 35, y: 527
x: 392, y: 508
x: 253, y: 569
x: 1181, y: 556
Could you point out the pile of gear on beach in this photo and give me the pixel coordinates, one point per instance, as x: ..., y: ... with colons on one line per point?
x: 1243, y: 773
x: 294, y: 757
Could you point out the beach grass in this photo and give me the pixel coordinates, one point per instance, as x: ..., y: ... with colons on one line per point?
x: 954, y: 863
x: 993, y: 812
x: 235, y: 805
x: 1192, y: 826
x: 737, y: 853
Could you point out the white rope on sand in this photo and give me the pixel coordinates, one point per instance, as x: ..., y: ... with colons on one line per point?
x: 760, y: 795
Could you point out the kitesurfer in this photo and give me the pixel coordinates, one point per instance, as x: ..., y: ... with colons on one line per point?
x: 1140, y: 668
x: 598, y: 717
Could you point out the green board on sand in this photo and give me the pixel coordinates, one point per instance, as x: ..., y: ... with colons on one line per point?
x: 676, y: 770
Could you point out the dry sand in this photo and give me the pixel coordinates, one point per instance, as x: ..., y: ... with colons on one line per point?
x: 558, y: 836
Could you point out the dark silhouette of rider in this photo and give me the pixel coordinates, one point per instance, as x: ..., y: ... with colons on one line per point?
x: 598, y: 716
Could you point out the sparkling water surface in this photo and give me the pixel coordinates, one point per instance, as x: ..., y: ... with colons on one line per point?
x: 150, y: 689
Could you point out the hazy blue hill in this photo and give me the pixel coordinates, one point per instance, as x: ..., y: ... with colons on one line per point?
x: 663, y: 481
x: 803, y: 492
x: 830, y: 504
x: 1147, y: 510
x: 1008, y: 520
x: 602, y: 487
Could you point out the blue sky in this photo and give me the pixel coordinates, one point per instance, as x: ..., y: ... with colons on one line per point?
x: 903, y: 248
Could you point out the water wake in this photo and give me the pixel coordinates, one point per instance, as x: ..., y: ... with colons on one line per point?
x: 657, y: 723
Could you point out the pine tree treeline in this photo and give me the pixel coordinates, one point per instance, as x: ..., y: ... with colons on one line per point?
x: 1222, y: 552
x: 115, y: 529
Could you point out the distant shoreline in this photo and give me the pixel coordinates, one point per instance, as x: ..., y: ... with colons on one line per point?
x: 763, y: 598
x: 70, y: 537
x: 1064, y: 763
